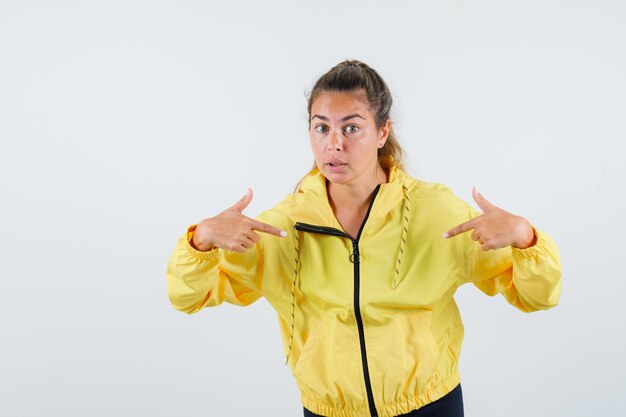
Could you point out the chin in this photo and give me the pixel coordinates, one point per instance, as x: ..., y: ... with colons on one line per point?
x: 337, y: 178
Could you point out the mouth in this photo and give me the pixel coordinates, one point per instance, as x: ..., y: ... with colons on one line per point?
x: 335, y: 162
x: 336, y: 166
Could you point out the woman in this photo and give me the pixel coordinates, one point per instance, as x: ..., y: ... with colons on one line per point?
x: 362, y: 261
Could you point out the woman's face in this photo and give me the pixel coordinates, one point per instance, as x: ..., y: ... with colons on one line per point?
x: 344, y: 137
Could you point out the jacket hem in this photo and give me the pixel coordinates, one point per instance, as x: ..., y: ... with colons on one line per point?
x: 408, y: 404
x: 390, y: 409
x: 321, y: 408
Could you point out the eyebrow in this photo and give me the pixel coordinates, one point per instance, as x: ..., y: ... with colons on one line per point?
x: 342, y: 119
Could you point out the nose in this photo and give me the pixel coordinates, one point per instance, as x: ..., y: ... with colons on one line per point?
x: 335, y: 142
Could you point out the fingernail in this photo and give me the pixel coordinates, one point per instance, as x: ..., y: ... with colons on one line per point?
x: 283, y: 233
x: 445, y: 235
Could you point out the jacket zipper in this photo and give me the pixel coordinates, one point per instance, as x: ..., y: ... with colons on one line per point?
x: 354, y: 258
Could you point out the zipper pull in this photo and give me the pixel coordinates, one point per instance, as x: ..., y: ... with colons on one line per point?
x: 354, y: 256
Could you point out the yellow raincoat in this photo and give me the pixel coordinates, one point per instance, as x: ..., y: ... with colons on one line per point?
x: 369, y: 326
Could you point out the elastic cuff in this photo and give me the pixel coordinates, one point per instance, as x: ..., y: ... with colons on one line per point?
x: 206, y: 256
x: 538, y: 249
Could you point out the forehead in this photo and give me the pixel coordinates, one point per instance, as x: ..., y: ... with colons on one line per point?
x: 339, y: 103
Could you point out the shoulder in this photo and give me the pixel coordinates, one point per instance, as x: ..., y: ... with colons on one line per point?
x: 433, y: 193
x: 280, y: 214
x: 437, y: 199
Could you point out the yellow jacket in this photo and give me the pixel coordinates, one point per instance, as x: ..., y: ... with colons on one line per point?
x: 370, y: 326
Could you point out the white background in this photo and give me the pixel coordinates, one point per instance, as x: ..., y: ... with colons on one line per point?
x: 122, y: 122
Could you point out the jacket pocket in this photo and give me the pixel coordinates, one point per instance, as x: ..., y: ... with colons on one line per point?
x: 428, y: 338
x: 330, y: 365
x: 309, y: 349
x: 420, y: 349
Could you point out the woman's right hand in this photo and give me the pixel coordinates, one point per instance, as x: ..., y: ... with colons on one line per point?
x: 231, y: 230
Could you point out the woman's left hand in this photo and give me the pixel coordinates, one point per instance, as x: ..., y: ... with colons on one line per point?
x: 496, y: 228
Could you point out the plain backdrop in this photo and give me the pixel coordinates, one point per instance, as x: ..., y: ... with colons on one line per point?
x: 123, y: 122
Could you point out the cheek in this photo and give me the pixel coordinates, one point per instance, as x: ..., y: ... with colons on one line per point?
x: 316, y: 146
x: 366, y: 152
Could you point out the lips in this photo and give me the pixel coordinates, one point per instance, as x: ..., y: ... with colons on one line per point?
x: 336, y: 166
x: 335, y: 163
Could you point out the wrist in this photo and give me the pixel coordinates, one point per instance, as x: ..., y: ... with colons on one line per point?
x: 529, y: 237
x: 197, y: 241
x: 201, y: 246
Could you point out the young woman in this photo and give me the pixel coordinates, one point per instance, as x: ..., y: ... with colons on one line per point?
x: 362, y: 261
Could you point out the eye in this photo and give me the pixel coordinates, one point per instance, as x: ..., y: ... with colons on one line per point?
x: 320, y: 128
x: 352, y: 128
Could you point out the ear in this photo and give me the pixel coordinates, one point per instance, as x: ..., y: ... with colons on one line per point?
x: 384, y: 133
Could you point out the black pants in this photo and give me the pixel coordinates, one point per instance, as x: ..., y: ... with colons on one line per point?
x: 450, y: 405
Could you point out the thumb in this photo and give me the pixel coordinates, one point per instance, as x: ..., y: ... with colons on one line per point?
x: 482, y: 202
x: 243, y: 203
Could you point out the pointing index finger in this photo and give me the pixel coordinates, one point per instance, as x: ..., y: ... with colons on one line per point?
x: 462, y: 228
x: 266, y: 228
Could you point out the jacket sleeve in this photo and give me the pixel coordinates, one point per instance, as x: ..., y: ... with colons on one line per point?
x: 198, y: 279
x: 529, y: 279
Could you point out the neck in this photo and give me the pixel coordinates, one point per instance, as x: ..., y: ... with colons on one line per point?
x: 355, y: 195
